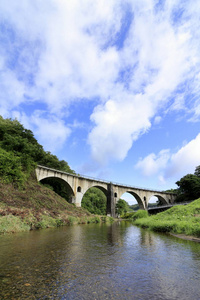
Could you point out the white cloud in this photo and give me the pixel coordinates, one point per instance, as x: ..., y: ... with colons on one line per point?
x: 67, y: 51
x: 160, y: 58
x: 167, y: 165
x: 157, y: 119
x: 152, y: 163
x: 118, y: 124
x: 185, y: 160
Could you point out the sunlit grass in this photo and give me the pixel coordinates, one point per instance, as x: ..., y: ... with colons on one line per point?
x: 182, y: 219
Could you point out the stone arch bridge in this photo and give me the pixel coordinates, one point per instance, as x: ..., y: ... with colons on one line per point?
x: 79, y: 184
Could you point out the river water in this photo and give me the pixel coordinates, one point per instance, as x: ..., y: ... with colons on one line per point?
x: 98, y: 261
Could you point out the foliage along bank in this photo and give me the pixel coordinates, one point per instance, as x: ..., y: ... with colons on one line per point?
x: 25, y: 204
x: 180, y: 219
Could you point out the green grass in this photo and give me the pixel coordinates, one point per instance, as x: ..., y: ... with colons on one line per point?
x: 12, y: 224
x: 181, y: 219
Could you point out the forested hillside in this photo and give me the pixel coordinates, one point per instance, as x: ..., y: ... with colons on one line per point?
x: 24, y: 203
x: 20, y: 153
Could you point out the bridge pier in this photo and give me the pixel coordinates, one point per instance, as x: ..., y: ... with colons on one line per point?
x: 110, y: 210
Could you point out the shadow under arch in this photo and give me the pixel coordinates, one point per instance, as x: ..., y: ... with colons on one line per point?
x: 137, y: 198
x: 60, y: 187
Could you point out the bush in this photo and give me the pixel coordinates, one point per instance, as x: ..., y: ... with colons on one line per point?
x: 140, y: 214
x: 11, y: 168
x: 184, y: 219
x: 128, y: 215
x: 46, y: 222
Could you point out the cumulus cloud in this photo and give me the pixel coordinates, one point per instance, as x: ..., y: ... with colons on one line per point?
x: 135, y: 58
x: 152, y: 163
x: 185, y: 160
x: 156, y: 60
x: 115, y: 130
x: 166, y: 164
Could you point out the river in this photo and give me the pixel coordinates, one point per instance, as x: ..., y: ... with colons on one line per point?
x: 98, y: 261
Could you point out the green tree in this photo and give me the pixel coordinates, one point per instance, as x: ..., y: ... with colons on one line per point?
x: 23, y: 152
x: 95, y: 201
x: 197, y: 171
x: 189, y: 188
x: 122, y: 207
x: 11, y: 168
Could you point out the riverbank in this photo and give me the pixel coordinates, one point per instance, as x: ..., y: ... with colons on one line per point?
x: 182, y: 220
x: 36, y: 206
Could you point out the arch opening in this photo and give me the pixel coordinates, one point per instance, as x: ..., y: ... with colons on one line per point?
x: 156, y: 200
x: 153, y: 202
x: 60, y: 187
x: 133, y: 200
x: 95, y: 200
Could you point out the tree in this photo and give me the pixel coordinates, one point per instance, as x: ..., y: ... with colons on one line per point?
x: 11, y: 168
x: 122, y: 207
x: 189, y: 188
x: 197, y: 171
x: 95, y: 201
x: 23, y: 152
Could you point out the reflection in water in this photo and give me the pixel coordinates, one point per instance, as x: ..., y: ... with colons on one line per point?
x: 98, y: 261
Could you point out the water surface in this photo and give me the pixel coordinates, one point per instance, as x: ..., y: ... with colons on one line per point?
x: 98, y: 261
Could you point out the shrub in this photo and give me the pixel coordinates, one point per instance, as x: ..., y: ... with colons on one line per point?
x: 46, y: 222
x: 140, y: 214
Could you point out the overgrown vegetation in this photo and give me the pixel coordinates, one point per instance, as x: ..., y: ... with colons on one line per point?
x: 25, y: 204
x: 20, y: 153
x: 180, y: 219
x: 36, y: 207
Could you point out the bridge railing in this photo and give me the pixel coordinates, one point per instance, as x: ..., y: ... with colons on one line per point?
x: 105, y: 181
x: 168, y: 205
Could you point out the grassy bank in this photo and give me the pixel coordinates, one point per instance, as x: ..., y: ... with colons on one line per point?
x: 36, y: 206
x: 181, y: 219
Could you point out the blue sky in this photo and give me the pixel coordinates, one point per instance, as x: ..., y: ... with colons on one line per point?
x: 111, y: 87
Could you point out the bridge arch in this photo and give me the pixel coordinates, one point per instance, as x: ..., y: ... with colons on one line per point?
x: 101, y: 188
x: 136, y: 196
x: 161, y: 199
x: 60, y: 186
x: 95, y: 199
